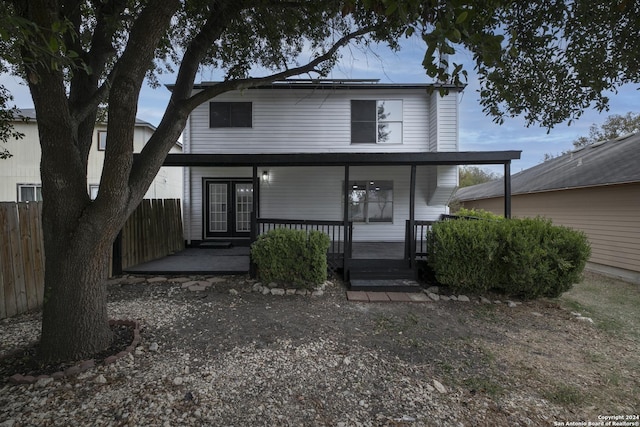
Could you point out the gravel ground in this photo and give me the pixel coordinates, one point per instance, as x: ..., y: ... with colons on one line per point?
x: 230, y: 356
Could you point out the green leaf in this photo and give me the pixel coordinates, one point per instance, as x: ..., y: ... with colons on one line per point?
x: 462, y: 17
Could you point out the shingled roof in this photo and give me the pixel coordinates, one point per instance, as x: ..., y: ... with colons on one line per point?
x: 616, y: 161
x: 30, y: 114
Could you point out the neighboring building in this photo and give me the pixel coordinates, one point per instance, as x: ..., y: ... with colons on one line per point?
x: 595, y: 189
x: 20, y: 174
x: 301, y: 150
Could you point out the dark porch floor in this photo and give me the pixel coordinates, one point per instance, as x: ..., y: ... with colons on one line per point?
x: 235, y: 259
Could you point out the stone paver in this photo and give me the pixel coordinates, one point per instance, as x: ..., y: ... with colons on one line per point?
x: 398, y: 296
x: 358, y: 296
x: 378, y: 297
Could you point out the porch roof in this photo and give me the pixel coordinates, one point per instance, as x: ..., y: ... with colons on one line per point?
x: 346, y: 159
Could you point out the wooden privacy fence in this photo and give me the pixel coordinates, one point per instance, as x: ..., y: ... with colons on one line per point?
x: 21, y: 258
x: 152, y: 231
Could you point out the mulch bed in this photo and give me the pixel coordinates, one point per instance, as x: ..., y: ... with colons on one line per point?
x: 23, y: 366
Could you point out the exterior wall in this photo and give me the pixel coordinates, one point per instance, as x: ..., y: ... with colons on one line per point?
x: 294, y: 121
x: 609, y: 215
x: 297, y: 121
x: 315, y: 193
x: 444, y: 122
x: 24, y: 166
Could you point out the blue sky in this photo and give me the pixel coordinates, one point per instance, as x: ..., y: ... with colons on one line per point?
x: 477, y: 131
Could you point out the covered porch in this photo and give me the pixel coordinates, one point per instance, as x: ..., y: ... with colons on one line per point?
x: 356, y: 260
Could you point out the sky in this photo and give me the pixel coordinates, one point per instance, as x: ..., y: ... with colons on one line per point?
x: 477, y: 131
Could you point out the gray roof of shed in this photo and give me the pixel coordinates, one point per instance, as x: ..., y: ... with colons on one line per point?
x: 616, y: 161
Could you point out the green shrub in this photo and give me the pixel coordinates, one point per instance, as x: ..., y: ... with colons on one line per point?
x: 477, y: 213
x: 527, y: 258
x: 292, y: 256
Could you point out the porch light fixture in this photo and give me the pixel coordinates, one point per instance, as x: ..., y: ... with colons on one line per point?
x: 265, y: 176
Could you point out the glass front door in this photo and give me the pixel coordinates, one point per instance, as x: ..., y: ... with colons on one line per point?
x: 228, y: 208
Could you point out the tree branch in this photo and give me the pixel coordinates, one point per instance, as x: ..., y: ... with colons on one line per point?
x: 238, y: 84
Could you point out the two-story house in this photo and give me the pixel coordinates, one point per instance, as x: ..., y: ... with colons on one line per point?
x: 20, y: 174
x: 375, y: 157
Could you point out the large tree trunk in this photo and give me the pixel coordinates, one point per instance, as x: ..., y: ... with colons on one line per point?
x: 74, y: 318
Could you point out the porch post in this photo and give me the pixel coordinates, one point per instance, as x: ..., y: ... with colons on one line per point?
x: 255, y: 212
x: 412, y: 218
x: 507, y: 189
x: 345, y: 226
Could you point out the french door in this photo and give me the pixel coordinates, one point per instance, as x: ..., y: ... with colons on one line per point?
x: 228, y: 207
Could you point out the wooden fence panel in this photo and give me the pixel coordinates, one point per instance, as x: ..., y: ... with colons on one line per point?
x: 154, y: 230
x: 21, y: 258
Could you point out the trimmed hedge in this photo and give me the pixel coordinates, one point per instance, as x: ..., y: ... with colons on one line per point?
x: 295, y: 257
x: 527, y: 258
x: 478, y: 213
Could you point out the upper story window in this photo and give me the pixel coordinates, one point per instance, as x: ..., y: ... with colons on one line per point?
x: 376, y: 122
x: 230, y: 114
x: 29, y: 192
x: 102, y: 140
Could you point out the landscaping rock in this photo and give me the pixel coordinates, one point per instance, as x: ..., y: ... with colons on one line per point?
x: 463, y: 298
x: 277, y: 291
x: 43, y: 382
x: 100, y: 379
x: 441, y: 389
x: 433, y: 296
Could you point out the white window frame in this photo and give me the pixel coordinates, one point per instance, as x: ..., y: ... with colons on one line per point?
x: 102, y: 140
x: 34, y: 187
x: 381, y: 122
x: 92, y: 188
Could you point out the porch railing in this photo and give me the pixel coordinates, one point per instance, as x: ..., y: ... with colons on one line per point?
x: 339, y: 248
x: 419, y: 248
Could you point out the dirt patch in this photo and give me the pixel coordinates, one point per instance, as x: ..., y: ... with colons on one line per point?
x: 227, y: 357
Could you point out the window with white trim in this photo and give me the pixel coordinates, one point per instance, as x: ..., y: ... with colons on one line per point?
x: 371, y: 201
x: 376, y: 122
x: 29, y: 192
x: 93, y: 191
x: 102, y: 140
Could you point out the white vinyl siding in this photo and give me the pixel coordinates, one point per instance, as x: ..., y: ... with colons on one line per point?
x: 315, y: 193
x: 290, y: 121
x: 443, y: 122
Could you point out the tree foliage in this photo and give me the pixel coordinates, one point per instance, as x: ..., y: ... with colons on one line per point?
x: 548, y: 60
x: 614, y: 126
x: 558, y: 58
x: 472, y: 175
